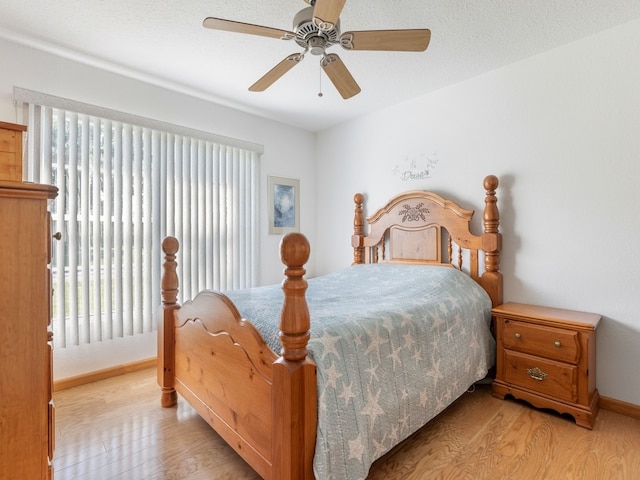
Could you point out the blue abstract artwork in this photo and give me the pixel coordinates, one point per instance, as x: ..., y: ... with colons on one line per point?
x: 284, y: 206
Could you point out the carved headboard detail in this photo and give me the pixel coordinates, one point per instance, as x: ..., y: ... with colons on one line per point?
x: 423, y: 227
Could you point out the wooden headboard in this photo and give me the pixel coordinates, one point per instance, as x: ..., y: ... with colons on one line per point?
x: 423, y: 227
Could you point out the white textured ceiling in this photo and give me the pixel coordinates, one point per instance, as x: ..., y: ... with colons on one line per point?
x: 164, y: 43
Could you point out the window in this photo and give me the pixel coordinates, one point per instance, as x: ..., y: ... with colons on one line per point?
x: 124, y: 184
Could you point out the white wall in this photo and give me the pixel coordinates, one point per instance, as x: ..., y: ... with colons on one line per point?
x: 562, y: 131
x: 288, y: 151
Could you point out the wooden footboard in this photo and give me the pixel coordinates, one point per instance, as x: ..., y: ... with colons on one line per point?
x: 262, y: 404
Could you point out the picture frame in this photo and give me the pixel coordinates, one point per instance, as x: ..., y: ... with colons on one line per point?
x: 284, y: 205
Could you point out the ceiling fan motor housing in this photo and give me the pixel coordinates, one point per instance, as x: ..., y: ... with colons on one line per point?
x: 308, y: 35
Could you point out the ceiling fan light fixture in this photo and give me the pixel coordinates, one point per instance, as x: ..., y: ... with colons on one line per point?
x: 316, y: 45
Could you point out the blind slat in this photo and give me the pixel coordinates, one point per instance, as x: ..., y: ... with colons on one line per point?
x: 127, y: 231
x: 138, y: 230
x: 147, y: 245
x: 58, y: 261
x: 118, y: 286
x: 95, y: 220
x: 72, y: 231
x: 107, y: 239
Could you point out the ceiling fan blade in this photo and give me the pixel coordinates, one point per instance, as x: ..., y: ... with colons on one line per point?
x: 327, y: 12
x: 239, y: 27
x: 276, y: 72
x: 413, y: 40
x: 339, y: 76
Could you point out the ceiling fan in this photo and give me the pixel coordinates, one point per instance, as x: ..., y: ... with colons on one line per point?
x: 316, y: 28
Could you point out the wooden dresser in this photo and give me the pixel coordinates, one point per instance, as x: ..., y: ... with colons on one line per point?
x: 26, y: 406
x: 547, y: 356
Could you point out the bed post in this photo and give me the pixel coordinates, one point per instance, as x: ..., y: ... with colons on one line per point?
x: 166, y: 359
x: 491, y: 242
x: 294, y: 373
x: 358, y: 229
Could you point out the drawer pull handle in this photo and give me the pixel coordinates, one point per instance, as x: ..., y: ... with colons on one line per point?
x: 536, y: 374
x: 557, y: 344
x: 517, y: 335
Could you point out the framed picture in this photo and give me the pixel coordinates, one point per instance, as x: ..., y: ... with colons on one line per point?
x: 284, y: 205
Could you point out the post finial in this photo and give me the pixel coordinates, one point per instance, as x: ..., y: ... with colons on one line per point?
x: 294, y: 250
x: 490, y: 182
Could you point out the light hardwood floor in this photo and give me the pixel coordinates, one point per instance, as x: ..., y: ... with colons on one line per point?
x: 116, y: 429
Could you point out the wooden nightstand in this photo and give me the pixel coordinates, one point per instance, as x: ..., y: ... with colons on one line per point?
x: 547, y: 356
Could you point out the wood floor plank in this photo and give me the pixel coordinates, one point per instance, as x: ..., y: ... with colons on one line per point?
x: 116, y: 429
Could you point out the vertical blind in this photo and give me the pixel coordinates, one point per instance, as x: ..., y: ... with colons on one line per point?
x: 123, y: 187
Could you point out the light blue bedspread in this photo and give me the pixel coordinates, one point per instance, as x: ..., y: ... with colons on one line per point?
x: 394, y: 344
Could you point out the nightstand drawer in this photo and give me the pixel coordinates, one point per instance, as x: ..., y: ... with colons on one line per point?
x: 549, y: 342
x: 547, y: 377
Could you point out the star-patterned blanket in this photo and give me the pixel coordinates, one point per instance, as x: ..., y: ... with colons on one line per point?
x: 394, y: 345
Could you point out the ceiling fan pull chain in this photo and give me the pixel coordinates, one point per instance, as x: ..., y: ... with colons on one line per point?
x: 320, y: 80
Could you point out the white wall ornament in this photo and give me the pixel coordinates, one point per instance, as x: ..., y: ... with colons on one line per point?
x: 416, y: 167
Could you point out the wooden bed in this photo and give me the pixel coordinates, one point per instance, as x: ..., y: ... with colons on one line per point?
x: 265, y: 404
